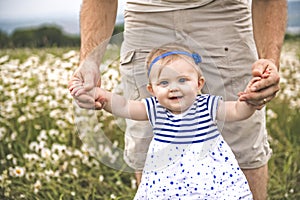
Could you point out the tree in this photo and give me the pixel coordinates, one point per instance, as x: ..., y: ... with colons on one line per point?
x: 4, y: 40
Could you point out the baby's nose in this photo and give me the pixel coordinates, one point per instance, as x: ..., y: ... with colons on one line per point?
x: 173, y: 87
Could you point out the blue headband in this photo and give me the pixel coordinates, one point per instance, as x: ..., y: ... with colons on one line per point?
x: 195, y: 56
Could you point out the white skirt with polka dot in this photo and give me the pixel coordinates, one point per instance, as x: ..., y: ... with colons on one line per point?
x: 206, y: 170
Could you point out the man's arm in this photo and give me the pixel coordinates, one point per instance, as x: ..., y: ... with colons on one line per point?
x: 269, y: 23
x: 97, y: 20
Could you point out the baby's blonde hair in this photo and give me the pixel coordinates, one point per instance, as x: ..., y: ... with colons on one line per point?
x: 169, y: 59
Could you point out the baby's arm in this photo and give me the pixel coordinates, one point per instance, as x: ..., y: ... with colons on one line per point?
x: 120, y: 106
x: 236, y: 110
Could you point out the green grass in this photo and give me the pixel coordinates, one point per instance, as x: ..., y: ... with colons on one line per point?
x: 47, y: 151
x: 283, y: 122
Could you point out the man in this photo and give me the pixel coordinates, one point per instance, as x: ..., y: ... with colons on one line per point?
x: 230, y: 45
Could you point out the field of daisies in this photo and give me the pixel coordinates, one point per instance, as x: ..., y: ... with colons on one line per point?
x: 51, y: 149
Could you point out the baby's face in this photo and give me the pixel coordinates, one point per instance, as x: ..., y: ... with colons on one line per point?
x: 177, y: 85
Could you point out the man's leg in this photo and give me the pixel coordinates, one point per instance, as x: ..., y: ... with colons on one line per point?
x: 258, y: 181
x: 138, y: 177
x: 156, y: 28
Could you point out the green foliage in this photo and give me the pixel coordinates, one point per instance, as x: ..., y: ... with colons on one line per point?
x: 289, y: 37
x: 44, y: 36
x: 119, y: 28
x: 4, y: 40
x: 283, y: 120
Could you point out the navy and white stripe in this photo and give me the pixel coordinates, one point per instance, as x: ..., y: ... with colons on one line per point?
x: 195, y: 125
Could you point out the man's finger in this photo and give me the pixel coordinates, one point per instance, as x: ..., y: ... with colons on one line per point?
x: 86, y: 105
x: 78, y: 92
x: 74, y: 81
x: 257, y: 99
x: 92, y: 106
x: 74, y: 86
x: 258, y: 69
x: 85, y: 99
x: 89, y: 81
x: 270, y: 82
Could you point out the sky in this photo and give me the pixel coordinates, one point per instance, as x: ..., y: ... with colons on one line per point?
x: 15, y: 9
x: 24, y: 13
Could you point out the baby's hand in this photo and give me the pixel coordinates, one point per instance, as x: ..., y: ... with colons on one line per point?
x: 266, y: 74
x: 248, y: 88
x: 100, y: 98
x: 95, y: 99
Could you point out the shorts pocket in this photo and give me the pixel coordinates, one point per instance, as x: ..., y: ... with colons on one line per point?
x: 134, y: 74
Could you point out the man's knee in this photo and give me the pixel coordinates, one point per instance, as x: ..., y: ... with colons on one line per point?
x: 258, y: 181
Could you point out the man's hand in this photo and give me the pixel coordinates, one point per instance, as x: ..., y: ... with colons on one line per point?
x: 82, y: 83
x: 85, y: 78
x: 96, y: 100
x: 264, y: 90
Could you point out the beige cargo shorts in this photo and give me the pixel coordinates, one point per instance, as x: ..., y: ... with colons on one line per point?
x: 221, y: 33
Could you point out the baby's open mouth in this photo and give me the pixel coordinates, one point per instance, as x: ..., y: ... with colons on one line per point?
x: 175, y: 98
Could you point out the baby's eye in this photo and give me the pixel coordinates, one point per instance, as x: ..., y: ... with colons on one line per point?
x: 182, y: 80
x: 163, y: 83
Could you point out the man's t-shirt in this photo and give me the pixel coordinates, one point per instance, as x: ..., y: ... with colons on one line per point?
x: 163, y: 5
